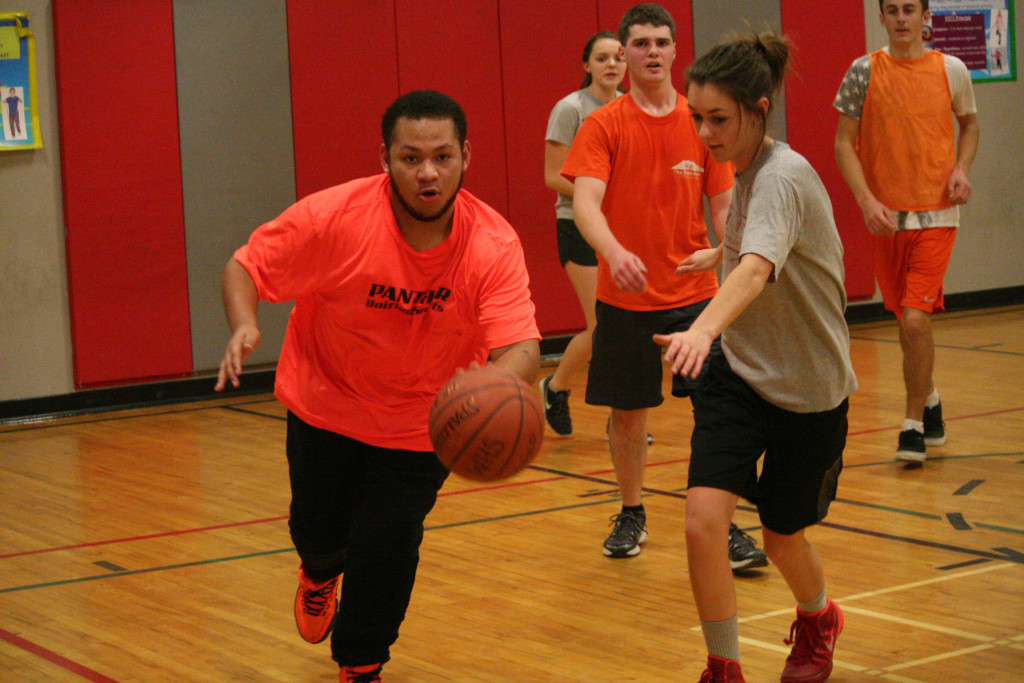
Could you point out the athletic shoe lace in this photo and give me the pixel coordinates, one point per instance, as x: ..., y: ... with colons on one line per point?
x: 809, y: 647
x: 559, y: 405
x: 316, y: 601
x: 627, y: 527
x: 740, y: 542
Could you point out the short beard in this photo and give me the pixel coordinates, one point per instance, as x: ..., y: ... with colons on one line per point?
x: 419, y: 215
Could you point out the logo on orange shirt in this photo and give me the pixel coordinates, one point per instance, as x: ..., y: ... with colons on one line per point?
x: 408, y: 301
x: 689, y: 169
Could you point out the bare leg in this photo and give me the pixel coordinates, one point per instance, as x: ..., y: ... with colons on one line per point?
x: 708, y: 513
x: 918, y: 359
x: 798, y: 562
x: 577, y: 352
x: 627, y: 442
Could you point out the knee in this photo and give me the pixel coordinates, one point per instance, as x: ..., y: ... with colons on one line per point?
x: 915, y: 323
x: 778, y: 547
x: 704, y: 527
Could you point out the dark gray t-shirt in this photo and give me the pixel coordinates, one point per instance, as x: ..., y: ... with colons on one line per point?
x: 791, y: 344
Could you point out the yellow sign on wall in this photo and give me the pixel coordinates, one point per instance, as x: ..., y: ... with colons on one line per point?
x: 19, y: 113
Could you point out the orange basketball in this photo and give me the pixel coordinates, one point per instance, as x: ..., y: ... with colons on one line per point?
x: 486, y: 424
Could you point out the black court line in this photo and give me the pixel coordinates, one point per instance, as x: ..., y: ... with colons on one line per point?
x: 961, y: 565
x: 957, y: 521
x: 975, y: 349
x: 236, y: 409
x: 968, y: 487
x: 110, y: 565
x: 941, y: 317
x: 936, y: 458
x: 1001, y: 553
x: 73, y: 421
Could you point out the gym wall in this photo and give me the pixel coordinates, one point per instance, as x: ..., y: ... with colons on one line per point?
x: 172, y: 129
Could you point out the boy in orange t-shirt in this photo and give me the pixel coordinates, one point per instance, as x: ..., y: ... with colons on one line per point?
x: 398, y: 280
x: 639, y: 174
x: 895, y: 148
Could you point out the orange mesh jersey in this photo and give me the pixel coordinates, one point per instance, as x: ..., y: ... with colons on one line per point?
x: 906, y: 132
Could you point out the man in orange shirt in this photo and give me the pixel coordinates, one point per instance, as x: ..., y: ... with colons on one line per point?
x: 398, y: 280
x: 639, y: 174
x: 895, y: 148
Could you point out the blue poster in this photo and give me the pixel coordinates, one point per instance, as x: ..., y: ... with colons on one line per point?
x: 979, y: 32
x: 20, y: 116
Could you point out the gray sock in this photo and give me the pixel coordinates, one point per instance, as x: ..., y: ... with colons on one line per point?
x: 815, y: 604
x: 722, y: 638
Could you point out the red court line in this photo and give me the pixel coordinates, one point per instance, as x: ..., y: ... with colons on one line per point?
x: 142, y: 538
x: 54, y: 658
x: 230, y: 525
x: 948, y: 419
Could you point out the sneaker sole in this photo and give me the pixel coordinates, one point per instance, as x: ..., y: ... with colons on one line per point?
x: 337, y: 606
x: 650, y: 438
x: 911, y: 456
x: 935, y: 440
x: 749, y: 564
x: 827, y: 671
x: 632, y: 552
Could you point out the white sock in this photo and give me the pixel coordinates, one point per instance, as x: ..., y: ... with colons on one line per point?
x: 932, y: 400
x: 916, y: 425
x: 815, y: 604
x: 722, y: 638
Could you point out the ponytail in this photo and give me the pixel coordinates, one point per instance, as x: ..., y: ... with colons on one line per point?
x: 746, y: 68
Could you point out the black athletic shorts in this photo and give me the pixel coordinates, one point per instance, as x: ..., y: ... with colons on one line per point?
x: 626, y: 365
x: 803, y: 452
x: 572, y: 246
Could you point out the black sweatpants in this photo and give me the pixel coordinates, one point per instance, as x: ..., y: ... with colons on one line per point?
x: 358, y: 510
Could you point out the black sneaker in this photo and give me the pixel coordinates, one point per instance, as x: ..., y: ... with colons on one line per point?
x: 556, y: 408
x: 629, y: 532
x: 743, y: 552
x: 911, y: 446
x: 607, y: 425
x: 934, y: 427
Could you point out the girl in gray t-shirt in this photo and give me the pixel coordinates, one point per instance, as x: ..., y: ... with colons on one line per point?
x: 604, y: 72
x: 780, y: 389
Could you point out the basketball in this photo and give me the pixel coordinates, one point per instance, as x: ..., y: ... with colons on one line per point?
x: 486, y: 424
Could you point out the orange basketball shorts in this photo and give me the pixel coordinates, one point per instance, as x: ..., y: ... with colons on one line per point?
x: 910, y: 266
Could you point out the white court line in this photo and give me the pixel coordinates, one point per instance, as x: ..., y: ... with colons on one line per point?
x: 889, y: 676
x: 938, y: 657
x: 882, y: 591
x: 784, y: 649
x: 918, y: 624
x: 925, y: 582
x: 887, y: 672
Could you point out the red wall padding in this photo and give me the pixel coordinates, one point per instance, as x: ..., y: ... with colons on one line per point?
x: 121, y: 168
x: 534, y: 80
x: 461, y: 59
x: 344, y: 73
x: 811, y: 119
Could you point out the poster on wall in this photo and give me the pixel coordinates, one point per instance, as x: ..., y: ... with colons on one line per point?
x: 979, y: 32
x: 20, y: 115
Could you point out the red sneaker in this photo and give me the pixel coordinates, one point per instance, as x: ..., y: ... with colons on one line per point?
x: 722, y: 671
x: 360, y: 674
x: 813, y: 637
x: 315, y: 607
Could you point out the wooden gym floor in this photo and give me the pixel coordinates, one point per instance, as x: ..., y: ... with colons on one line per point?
x: 152, y: 545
